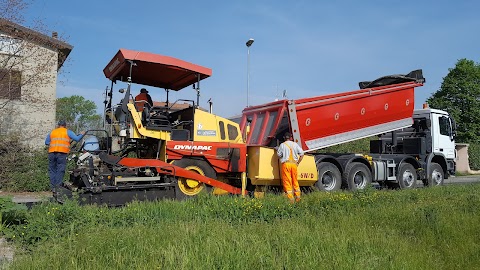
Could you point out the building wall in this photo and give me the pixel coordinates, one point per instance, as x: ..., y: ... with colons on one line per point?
x: 33, y: 116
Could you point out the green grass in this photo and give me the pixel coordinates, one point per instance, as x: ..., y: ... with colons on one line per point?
x: 436, y: 228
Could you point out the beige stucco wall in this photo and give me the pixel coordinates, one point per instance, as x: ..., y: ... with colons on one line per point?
x: 34, y: 115
x: 462, y: 158
x: 463, y: 165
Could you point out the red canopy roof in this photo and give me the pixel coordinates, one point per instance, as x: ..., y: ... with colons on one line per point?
x: 154, y: 70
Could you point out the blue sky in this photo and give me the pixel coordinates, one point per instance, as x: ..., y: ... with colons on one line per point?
x: 307, y: 48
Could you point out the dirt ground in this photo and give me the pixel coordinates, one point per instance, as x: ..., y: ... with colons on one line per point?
x: 6, y: 253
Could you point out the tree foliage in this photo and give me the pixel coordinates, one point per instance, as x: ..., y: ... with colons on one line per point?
x: 79, y: 113
x: 358, y: 146
x: 459, y: 95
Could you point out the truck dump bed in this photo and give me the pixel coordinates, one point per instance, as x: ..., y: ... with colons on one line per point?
x: 383, y: 105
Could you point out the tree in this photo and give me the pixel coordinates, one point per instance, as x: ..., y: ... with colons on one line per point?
x: 19, y: 47
x: 12, y: 10
x: 459, y: 95
x: 79, y: 113
x: 30, y: 58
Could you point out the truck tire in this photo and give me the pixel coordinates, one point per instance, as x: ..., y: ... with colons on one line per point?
x: 407, y: 176
x: 329, y: 177
x: 436, y: 176
x: 187, y: 188
x: 357, y: 176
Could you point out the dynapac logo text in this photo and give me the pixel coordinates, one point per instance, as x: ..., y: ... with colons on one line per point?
x: 193, y: 147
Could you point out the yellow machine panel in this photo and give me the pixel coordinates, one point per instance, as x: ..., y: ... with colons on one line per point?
x: 264, y: 167
x: 211, y: 128
x: 139, y: 130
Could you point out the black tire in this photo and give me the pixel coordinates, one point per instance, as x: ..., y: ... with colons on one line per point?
x: 329, y: 177
x: 183, y: 189
x: 357, y: 176
x: 407, y: 176
x: 436, y: 176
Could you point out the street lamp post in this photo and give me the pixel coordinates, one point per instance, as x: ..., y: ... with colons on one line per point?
x: 249, y: 43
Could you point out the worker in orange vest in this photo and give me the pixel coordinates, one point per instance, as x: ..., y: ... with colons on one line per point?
x: 290, y: 155
x: 143, y: 99
x: 58, y: 142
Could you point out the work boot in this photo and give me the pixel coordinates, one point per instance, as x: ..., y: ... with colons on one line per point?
x: 297, y: 199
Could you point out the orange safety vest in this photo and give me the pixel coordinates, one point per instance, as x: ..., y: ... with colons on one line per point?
x: 59, y: 141
x: 141, y: 99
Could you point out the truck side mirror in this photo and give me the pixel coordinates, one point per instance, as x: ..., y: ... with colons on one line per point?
x: 453, y: 132
x: 454, y: 124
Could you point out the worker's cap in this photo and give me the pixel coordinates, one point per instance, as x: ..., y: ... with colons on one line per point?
x: 287, y: 135
x: 62, y: 123
x: 143, y: 90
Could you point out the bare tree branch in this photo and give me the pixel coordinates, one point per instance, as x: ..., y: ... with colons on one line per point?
x: 29, y: 64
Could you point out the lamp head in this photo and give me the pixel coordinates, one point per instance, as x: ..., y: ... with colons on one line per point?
x: 249, y: 42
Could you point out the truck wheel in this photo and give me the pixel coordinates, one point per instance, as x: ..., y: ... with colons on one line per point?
x: 436, y: 176
x: 407, y: 176
x: 329, y: 177
x: 357, y: 176
x: 189, y: 187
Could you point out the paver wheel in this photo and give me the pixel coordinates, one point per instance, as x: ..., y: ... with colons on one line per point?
x: 190, y: 187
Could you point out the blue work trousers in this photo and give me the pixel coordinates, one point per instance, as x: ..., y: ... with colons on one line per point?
x: 57, y: 163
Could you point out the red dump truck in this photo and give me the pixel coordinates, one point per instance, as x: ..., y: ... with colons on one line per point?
x: 409, y: 145
x: 166, y: 152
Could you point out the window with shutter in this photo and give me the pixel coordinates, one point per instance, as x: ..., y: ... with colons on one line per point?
x: 10, y: 84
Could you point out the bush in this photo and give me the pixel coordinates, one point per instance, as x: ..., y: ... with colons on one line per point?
x: 22, y: 169
x: 474, y: 156
x: 11, y: 213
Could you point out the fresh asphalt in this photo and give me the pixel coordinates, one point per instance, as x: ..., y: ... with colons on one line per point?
x: 31, y: 198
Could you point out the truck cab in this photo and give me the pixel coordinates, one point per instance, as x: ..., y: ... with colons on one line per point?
x: 442, y: 131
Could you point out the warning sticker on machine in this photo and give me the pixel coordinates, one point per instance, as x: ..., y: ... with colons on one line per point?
x: 206, y: 132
